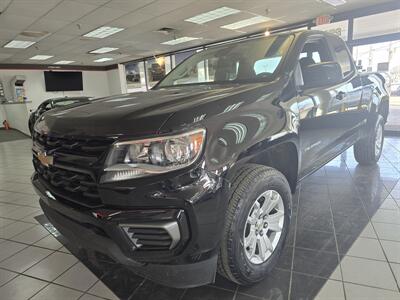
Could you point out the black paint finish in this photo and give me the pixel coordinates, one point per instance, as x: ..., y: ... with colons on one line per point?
x: 295, y: 131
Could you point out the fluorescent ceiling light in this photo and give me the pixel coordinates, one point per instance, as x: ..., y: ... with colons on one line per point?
x: 180, y: 40
x: 64, y: 62
x: 246, y: 22
x: 213, y: 15
x: 103, y: 32
x: 41, y: 57
x: 103, y: 59
x: 103, y: 50
x: 19, y: 44
x: 335, y: 2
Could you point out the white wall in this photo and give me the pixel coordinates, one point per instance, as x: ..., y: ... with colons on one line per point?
x: 95, y: 84
x: 117, y: 81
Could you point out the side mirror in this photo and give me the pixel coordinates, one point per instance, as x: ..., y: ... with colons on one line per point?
x: 322, y: 74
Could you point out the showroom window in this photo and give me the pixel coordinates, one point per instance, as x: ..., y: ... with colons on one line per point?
x: 132, y: 73
x: 375, y: 25
x: 338, y: 28
x: 155, y: 70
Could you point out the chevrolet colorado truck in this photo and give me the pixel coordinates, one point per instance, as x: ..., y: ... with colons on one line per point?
x: 196, y: 176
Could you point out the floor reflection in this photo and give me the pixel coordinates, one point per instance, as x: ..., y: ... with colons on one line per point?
x: 344, y: 240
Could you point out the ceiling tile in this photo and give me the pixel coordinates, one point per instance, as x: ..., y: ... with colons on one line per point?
x: 77, y: 29
x: 128, y: 5
x: 15, y: 22
x: 49, y: 25
x: 130, y: 20
x: 4, y: 4
x: 31, y: 8
x: 70, y: 11
x: 162, y: 7
x: 8, y: 34
x: 102, y: 16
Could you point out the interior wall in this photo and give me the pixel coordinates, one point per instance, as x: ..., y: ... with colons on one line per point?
x: 95, y: 84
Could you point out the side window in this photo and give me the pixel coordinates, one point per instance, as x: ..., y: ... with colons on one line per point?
x: 342, y: 56
x: 267, y: 65
x: 314, y: 52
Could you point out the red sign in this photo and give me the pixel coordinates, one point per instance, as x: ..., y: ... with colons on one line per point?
x: 321, y: 20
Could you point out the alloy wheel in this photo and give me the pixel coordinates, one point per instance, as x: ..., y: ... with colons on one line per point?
x: 264, y: 225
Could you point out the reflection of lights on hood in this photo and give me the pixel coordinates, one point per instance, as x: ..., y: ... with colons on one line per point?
x: 261, y: 119
x: 127, y: 105
x: 239, y: 129
x: 264, y: 97
x: 232, y: 107
x: 120, y: 99
x: 223, y: 141
x: 199, y: 118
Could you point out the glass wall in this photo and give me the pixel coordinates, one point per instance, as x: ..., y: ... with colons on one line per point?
x: 384, y: 58
x: 156, y: 69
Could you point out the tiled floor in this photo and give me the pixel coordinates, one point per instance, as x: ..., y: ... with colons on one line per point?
x: 344, y: 242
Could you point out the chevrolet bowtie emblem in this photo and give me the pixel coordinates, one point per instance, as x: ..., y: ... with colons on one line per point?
x: 46, y: 160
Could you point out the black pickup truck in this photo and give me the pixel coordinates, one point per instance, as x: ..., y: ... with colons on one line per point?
x: 196, y: 176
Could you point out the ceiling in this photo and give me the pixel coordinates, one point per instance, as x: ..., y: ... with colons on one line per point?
x: 64, y: 22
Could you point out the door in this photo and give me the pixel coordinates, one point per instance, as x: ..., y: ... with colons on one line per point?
x: 322, y: 108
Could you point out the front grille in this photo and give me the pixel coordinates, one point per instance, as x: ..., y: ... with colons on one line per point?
x: 72, y: 176
x: 153, y: 237
x: 89, y: 147
x: 70, y: 185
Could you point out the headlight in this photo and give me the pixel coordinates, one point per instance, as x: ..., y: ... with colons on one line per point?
x: 133, y: 159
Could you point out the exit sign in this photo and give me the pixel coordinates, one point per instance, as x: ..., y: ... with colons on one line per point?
x: 322, y: 20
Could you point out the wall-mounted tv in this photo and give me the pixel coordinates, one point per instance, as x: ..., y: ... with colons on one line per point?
x: 63, y: 81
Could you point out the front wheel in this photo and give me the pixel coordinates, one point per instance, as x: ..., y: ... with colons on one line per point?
x: 368, y: 150
x: 256, y: 226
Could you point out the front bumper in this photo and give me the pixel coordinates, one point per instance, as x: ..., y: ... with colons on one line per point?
x: 190, y: 263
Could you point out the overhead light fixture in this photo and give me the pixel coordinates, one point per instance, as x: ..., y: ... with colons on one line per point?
x: 335, y: 2
x: 41, y: 57
x: 267, y: 33
x: 103, y: 32
x: 19, y: 44
x: 104, y: 59
x: 103, y: 50
x: 181, y: 40
x: 213, y: 15
x: 247, y: 22
x: 64, y: 62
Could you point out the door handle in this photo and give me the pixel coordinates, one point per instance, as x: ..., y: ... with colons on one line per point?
x: 340, y: 95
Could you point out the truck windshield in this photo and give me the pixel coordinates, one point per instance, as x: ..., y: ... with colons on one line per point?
x: 248, y: 61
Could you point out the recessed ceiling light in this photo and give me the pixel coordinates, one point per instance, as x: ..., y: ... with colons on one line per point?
x: 180, y: 40
x: 19, y: 44
x: 103, y: 32
x: 335, y: 2
x: 267, y: 33
x: 213, y: 15
x: 103, y: 50
x: 103, y: 59
x: 64, y: 62
x: 246, y: 22
x: 41, y: 57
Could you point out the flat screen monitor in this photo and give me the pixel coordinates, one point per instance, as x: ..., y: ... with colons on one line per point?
x: 63, y: 81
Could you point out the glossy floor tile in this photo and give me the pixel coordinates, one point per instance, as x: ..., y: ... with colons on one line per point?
x: 344, y: 242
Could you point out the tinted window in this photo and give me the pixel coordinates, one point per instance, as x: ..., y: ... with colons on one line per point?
x: 248, y: 61
x: 342, y: 56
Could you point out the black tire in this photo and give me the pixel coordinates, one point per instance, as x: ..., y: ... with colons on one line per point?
x: 364, y: 149
x: 251, y: 181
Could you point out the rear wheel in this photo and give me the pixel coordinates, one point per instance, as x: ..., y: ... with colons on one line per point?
x: 368, y: 150
x: 256, y: 225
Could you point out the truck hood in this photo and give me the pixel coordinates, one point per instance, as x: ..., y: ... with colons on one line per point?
x: 135, y: 114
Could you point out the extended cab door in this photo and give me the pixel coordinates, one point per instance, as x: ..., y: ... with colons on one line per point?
x: 323, y: 104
